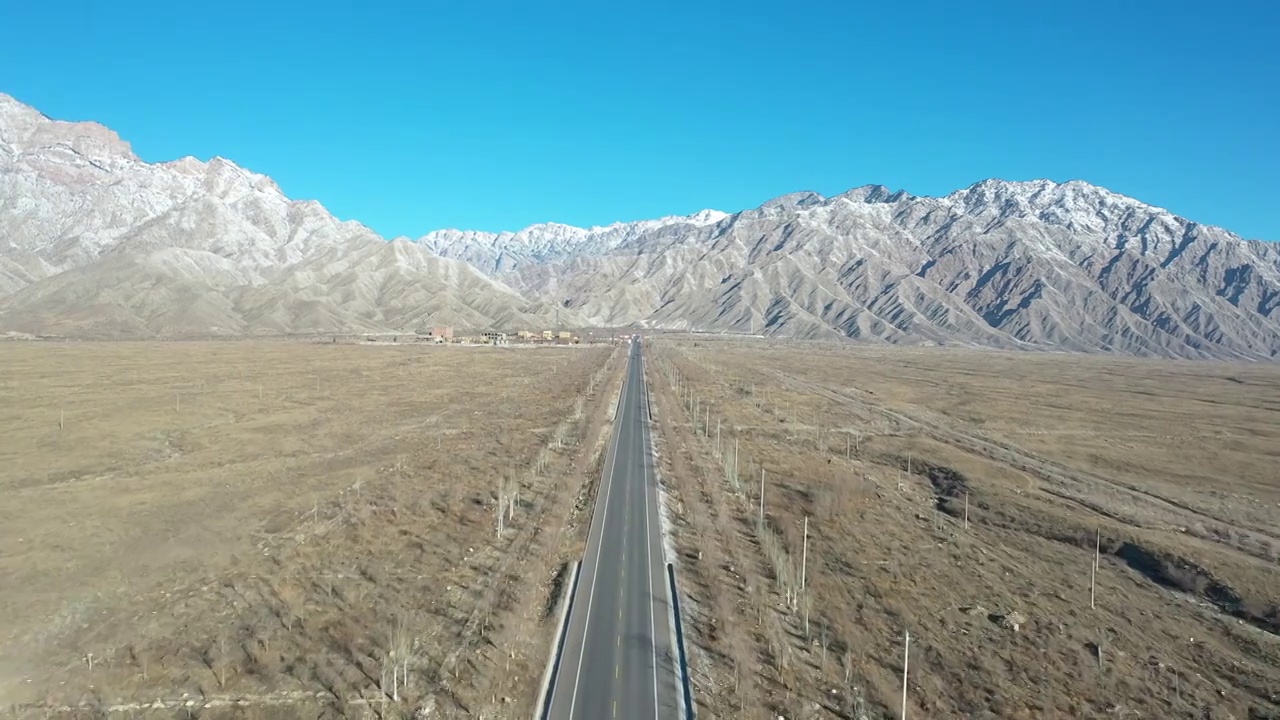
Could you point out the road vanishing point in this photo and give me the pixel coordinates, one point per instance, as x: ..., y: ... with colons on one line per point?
x: 619, y: 658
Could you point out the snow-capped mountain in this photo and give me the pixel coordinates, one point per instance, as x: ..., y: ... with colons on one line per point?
x: 95, y: 241
x: 1010, y: 264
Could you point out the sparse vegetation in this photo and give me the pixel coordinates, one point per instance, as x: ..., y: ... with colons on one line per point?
x: 284, y: 547
x: 973, y: 499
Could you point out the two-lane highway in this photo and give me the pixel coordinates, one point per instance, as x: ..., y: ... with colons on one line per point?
x: 618, y: 660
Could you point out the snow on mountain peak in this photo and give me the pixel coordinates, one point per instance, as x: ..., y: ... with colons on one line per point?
x: 495, y: 253
x: 26, y: 130
x: 706, y: 217
x: 794, y: 201
x: 874, y: 194
x: 81, y: 192
x: 1041, y: 194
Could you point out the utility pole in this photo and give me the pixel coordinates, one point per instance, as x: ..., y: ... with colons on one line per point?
x: 906, y: 656
x: 1093, y: 571
x: 1093, y: 583
x: 804, y: 554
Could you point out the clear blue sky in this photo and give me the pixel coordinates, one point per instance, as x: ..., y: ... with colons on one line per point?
x: 495, y: 115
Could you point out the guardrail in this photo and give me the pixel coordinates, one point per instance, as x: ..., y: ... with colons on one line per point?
x: 557, y: 643
x: 686, y: 687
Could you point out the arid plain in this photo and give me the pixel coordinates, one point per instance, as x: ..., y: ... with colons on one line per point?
x: 287, y: 529
x: 275, y: 529
x: 961, y: 496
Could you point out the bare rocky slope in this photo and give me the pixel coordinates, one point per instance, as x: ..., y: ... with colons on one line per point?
x: 96, y: 242
x: 1039, y: 264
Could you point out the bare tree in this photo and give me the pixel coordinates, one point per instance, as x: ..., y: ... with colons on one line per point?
x: 399, y: 653
x: 292, y: 602
x: 502, y: 498
x: 221, y: 660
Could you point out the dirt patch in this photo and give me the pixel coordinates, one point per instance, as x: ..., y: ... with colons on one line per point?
x: 950, y: 486
x: 1183, y: 575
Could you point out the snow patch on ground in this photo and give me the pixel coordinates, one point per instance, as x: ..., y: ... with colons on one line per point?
x: 655, y: 457
x: 664, y: 517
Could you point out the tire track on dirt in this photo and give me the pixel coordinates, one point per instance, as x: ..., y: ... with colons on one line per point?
x: 1065, y: 482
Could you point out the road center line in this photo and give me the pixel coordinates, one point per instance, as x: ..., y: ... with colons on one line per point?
x: 608, y: 484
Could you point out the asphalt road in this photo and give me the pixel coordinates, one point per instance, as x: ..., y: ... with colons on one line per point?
x: 618, y: 659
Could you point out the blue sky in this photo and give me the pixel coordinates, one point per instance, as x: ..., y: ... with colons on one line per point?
x: 495, y: 115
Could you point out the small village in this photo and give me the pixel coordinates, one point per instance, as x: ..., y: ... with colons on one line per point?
x: 446, y: 335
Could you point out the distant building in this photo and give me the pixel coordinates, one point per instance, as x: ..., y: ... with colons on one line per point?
x: 442, y: 332
x: 566, y: 335
x: 548, y: 334
x: 495, y: 338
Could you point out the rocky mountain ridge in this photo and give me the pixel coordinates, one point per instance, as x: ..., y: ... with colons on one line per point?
x: 1035, y: 264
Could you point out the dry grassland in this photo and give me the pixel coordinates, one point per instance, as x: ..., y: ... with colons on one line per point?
x: 959, y: 495
x: 285, y: 529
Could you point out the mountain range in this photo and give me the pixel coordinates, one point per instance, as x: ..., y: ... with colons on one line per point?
x: 96, y: 242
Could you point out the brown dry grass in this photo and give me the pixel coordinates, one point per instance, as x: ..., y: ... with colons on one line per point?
x: 1173, y: 462
x: 222, y: 521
